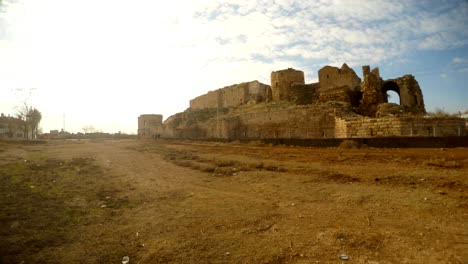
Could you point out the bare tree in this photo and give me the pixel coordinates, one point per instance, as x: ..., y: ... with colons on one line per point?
x: 31, y: 117
x: 24, y: 113
x: 89, y: 129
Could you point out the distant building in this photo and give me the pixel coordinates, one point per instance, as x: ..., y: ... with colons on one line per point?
x: 13, y: 128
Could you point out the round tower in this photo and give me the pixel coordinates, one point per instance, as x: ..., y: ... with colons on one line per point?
x: 282, y: 81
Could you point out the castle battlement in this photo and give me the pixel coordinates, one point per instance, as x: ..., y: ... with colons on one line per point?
x: 339, y: 105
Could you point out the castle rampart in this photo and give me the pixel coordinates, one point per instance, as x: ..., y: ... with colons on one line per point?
x: 338, y: 106
x: 231, y: 96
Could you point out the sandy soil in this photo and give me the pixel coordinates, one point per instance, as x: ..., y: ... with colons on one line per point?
x: 185, y: 202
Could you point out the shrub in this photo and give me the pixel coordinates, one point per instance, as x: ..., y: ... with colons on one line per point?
x: 256, y: 143
x: 349, y: 144
x: 442, y: 163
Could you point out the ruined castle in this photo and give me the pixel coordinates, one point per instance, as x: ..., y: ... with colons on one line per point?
x: 339, y: 105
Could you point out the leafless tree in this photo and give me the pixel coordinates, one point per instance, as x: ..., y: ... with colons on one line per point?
x: 31, y: 117
x: 89, y: 129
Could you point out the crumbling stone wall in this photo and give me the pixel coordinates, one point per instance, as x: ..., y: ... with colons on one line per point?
x: 411, y: 98
x: 283, y: 121
x: 332, y: 77
x: 282, y: 81
x: 374, y: 92
x: 365, y: 127
x: 308, y: 121
x: 323, y: 120
x: 302, y: 94
x: 339, y: 105
x: 231, y: 96
x: 192, y: 123
x: 371, y: 89
x: 150, y: 125
x: 234, y: 95
x: 208, y: 100
x: 257, y: 91
x: 339, y: 94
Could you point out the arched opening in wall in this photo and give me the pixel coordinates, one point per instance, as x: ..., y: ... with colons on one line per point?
x: 391, y: 92
x: 393, y: 97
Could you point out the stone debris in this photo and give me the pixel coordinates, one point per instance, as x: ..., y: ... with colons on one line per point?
x: 344, y: 257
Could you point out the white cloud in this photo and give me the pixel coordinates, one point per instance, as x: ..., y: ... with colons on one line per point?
x: 458, y: 60
x: 443, y: 76
x: 360, y: 31
x: 173, y: 51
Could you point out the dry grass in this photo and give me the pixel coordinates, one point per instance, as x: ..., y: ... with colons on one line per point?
x: 257, y: 143
x: 216, y: 164
x: 443, y: 163
x: 251, y: 204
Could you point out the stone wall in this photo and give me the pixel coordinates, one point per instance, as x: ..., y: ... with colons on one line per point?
x: 411, y: 98
x: 338, y: 106
x: 339, y: 94
x: 231, y: 96
x: 371, y: 89
x: 234, y: 95
x: 331, y: 77
x: 320, y: 120
x: 257, y: 91
x: 290, y: 121
x: 302, y: 94
x: 365, y: 127
x: 282, y: 81
x: 150, y: 125
x: 208, y: 100
x: 374, y: 92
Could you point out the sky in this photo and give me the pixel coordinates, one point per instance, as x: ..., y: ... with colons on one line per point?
x: 102, y: 63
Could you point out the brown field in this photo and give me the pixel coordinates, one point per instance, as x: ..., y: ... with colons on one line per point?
x: 186, y: 202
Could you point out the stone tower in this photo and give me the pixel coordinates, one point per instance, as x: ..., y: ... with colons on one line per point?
x: 149, y: 125
x: 332, y: 77
x: 282, y: 81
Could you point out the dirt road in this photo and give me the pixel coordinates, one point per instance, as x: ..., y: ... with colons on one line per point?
x: 185, y: 202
